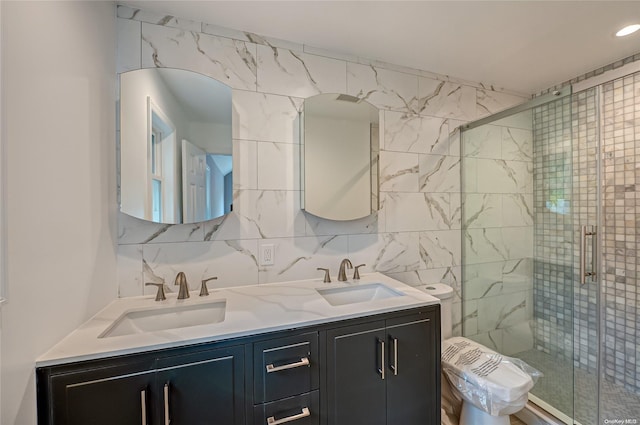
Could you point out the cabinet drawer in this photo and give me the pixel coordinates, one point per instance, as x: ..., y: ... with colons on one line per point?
x: 285, y: 367
x: 299, y: 410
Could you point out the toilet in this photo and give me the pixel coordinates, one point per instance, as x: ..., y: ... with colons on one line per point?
x: 490, y: 385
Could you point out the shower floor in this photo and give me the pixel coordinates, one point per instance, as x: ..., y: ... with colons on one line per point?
x: 557, y: 388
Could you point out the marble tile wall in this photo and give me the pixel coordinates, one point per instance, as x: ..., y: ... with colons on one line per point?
x: 415, y: 236
x: 497, y: 226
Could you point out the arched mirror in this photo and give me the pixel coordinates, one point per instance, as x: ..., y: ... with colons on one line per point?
x: 175, y: 146
x: 340, y: 149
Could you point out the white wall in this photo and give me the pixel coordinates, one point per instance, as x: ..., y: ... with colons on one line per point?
x: 59, y: 65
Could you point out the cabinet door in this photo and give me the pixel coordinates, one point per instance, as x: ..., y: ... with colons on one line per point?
x: 204, y: 388
x: 413, y: 384
x: 103, y: 396
x: 355, y: 367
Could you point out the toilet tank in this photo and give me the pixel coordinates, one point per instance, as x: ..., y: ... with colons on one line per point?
x: 445, y: 294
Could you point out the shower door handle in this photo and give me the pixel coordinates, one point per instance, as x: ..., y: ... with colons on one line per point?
x: 583, y: 254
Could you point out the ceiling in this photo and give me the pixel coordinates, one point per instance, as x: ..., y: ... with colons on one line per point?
x: 525, y: 46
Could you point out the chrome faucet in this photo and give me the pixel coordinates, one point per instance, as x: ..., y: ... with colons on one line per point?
x: 181, y: 280
x: 342, y: 275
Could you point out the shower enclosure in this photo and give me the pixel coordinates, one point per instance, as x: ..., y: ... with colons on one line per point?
x: 550, y: 203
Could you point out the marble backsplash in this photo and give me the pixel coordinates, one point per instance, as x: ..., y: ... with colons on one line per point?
x: 414, y: 237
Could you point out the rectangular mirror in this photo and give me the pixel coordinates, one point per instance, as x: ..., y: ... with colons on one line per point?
x: 339, y: 164
x: 175, y: 146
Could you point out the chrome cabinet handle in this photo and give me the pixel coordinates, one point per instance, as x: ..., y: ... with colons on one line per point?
x: 381, y: 369
x: 167, y: 419
x: 583, y: 254
x: 271, y: 420
x: 304, y: 361
x: 394, y: 366
x: 143, y: 406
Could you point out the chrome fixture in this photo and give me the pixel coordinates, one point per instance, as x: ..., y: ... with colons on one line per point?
x: 583, y: 254
x: 327, y: 278
x: 181, y: 280
x: 356, y: 273
x: 160, y: 296
x: 342, y: 276
x: 204, y: 291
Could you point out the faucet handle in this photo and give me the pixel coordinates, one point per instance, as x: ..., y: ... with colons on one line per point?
x: 204, y: 291
x: 160, y: 296
x: 327, y: 278
x: 356, y: 273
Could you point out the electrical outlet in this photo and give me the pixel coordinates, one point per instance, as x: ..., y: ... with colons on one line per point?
x: 267, y: 254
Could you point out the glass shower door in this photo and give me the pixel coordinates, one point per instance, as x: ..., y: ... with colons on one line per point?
x: 518, y: 243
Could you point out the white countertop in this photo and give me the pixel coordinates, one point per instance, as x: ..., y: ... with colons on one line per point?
x: 250, y: 310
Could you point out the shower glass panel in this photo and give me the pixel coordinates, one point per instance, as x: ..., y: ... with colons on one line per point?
x: 534, y: 180
x: 619, y: 391
x: 518, y: 250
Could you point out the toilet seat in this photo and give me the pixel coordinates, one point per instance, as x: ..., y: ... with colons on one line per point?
x: 483, y: 377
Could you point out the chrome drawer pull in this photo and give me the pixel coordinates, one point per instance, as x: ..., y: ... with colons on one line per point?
x: 382, y: 362
x: 271, y: 420
x: 167, y: 419
x: 143, y: 406
x: 394, y: 366
x: 304, y: 361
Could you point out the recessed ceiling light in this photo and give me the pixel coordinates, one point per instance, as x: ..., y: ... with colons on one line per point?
x: 629, y: 29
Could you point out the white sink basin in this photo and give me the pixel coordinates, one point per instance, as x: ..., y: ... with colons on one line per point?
x: 358, y: 294
x: 174, y: 317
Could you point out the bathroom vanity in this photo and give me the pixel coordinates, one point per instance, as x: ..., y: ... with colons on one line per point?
x: 307, y: 352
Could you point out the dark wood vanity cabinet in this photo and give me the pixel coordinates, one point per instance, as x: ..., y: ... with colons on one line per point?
x: 204, y: 387
x: 385, y: 372
x: 329, y: 374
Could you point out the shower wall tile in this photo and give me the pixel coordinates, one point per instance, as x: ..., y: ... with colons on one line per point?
x: 499, y: 176
x: 407, y: 132
x: 517, y: 209
x: 489, y: 102
x: 469, y: 175
x: 298, y: 74
x: 445, y: 99
x: 383, y: 88
x: 517, y: 144
x: 483, y: 142
x: 440, y: 248
x: 229, y: 61
x: 505, y: 311
x: 517, y: 338
x: 438, y: 173
x: 265, y: 117
x: 482, y: 210
x: 455, y: 141
x: 415, y: 236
